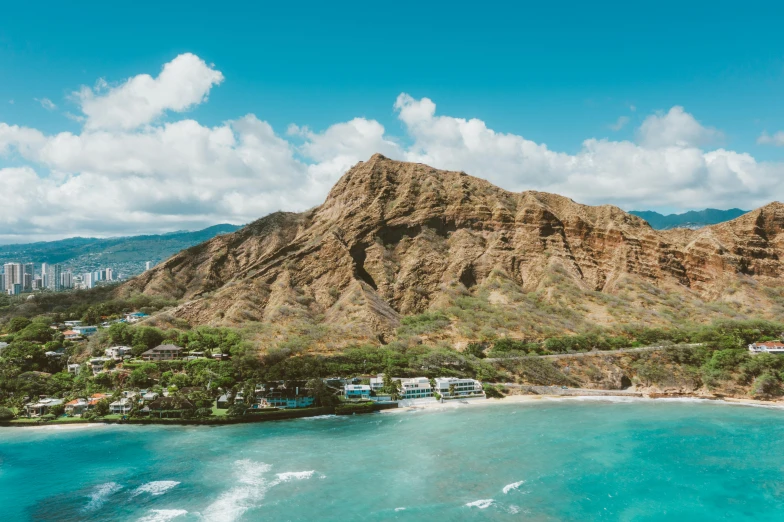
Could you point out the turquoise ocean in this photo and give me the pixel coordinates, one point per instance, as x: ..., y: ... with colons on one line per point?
x: 544, y: 460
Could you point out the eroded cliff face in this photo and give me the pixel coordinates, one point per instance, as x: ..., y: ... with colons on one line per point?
x: 394, y: 239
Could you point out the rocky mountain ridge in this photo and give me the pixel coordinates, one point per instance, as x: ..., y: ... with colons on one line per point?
x: 394, y: 239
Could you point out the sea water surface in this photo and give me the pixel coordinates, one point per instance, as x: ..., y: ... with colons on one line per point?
x: 546, y: 460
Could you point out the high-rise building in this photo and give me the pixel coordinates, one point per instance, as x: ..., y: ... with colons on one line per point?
x: 55, y: 277
x: 88, y: 280
x: 14, y: 275
x: 66, y: 280
x: 148, y: 265
x: 2, y: 283
x: 109, y: 274
x: 27, y: 277
x: 44, y: 275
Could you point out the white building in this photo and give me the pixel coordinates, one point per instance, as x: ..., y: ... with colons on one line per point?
x: 85, y: 330
x: 415, y: 388
x: 74, y: 369
x: 118, y: 352
x: 376, y: 383
x: 776, y: 347
x: 122, y: 406
x: 14, y: 275
x: 356, y: 391
x: 97, y: 363
x: 451, y: 387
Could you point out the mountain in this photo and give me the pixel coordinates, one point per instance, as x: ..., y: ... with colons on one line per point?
x: 405, y: 251
x: 131, y: 251
x: 691, y: 219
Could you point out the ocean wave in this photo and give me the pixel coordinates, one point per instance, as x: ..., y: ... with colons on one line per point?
x: 100, y: 494
x: 162, y: 515
x: 250, y: 491
x: 400, y: 509
x: 513, y: 485
x: 481, y: 504
x: 155, y: 488
x: 295, y: 475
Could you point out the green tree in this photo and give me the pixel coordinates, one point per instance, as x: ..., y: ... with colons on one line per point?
x: 322, y: 395
x: 6, y: 414
x: 35, y: 332
x: 145, y: 338
x: 121, y: 334
x: 18, y: 324
x: 390, y: 386
x: 102, y: 408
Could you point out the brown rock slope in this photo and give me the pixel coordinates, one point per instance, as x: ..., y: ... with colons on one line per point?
x: 394, y: 239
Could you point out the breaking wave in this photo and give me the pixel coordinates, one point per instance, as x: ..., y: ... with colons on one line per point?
x: 155, y: 488
x: 481, y: 504
x: 513, y: 485
x: 101, y: 494
x: 163, y: 515
x: 249, y: 492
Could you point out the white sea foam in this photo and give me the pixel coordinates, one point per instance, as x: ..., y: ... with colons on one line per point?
x: 513, y: 485
x: 162, y: 515
x: 155, y: 488
x: 481, y: 504
x: 100, y: 494
x: 295, y: 475
x: 400, y: 509
x: 249, y: 492
x: 513, y: 509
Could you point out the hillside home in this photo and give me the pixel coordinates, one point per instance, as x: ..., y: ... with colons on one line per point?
x: 135, y: 317
x: 71, y: 335
x: 118, y: 352
x: 149, y: 396
x: 85, y: 331
x: 3, y: 346
x: 775, y: 347
x: 451, y: 387
x: 163, y: 352
x: 71, y: 324
x: 96, y: 364
x: 73, y: 369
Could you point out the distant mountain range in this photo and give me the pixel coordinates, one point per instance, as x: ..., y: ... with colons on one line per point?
x: 126, y: 254
x: 692, y: 219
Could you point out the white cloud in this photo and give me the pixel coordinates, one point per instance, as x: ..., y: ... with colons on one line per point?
x: 777, y: 139
x: 127, y: 173
x: 184, y: 82
x: 46, y: 103
x: 677, y: 128
x: 619, y: 123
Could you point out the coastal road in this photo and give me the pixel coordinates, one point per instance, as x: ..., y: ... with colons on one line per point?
x: 595, y: 352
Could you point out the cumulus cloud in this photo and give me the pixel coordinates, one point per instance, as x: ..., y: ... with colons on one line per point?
x: 184, y: 82
x: 128, y: 172
x: 675, y: 128
x: 776, y: 139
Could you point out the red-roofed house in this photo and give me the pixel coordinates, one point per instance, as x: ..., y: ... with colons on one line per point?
x: 767, y: 347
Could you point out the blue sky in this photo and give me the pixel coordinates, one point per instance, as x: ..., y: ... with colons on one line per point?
x: 555, y: 75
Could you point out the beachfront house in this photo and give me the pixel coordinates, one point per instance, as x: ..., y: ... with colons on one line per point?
x: 76, y: 407
x: 149, y: 396
x: 356, y: 391
x: 117, y: 352
x: 121, y: 407
x: 415, y: 388
x: 774, y: 347
x: 377, y: 383
x: 163, y: 352
x: 168, y: 407
x: 41, y: 406
x: 280, y: 394
x: 453, y: 387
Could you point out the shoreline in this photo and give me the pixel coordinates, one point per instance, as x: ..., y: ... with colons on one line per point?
x: 601, y: 396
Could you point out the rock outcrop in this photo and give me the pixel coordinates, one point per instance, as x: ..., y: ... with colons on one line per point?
x: 393, y: 238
